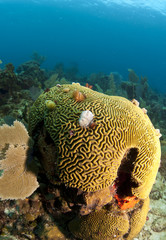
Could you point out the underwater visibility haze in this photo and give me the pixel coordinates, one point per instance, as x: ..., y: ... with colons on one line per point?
x: 98, y: 36
x: 83, y: 119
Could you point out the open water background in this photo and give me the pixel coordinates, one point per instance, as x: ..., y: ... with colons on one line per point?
x: 98, y: 36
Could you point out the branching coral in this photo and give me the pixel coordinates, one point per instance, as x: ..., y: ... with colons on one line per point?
x: 130, y: 86
x: 8, y: 82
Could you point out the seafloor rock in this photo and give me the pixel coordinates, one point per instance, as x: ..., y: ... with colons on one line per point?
x: 159, y: 224
x: 163, y: 161
x: 155, y: 226
x: 52, y: 232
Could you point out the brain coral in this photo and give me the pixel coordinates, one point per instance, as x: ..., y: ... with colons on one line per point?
x: 110, y: 223
x: 120, y: 139
x: 100, y: 225
x: 138, y: 219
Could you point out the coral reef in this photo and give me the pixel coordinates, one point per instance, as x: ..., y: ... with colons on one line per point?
x: 8, y: 83
x: 16, y: 89
x: 38, y: 58
x: 130, y: 86
x: 69, y: 203
x: 30, y: 74
x: 55, y: 79
x: 111, y: 85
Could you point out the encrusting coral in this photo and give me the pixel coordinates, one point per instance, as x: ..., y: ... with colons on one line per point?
x: 16, y: 181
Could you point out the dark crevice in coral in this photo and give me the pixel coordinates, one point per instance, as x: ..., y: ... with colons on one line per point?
x: 46, y: 152
x: 37, y: 129
x: 124, y: 180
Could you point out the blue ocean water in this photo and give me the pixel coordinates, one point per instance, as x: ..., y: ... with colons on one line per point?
x: 99, y: 36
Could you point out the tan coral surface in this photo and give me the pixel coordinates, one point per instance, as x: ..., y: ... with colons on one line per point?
x: 16, y: 181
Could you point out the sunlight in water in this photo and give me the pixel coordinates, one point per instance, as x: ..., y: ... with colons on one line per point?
x: 159, y: 6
